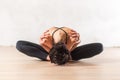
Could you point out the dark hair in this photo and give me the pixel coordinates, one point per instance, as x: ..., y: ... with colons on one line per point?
x: 59, y: 54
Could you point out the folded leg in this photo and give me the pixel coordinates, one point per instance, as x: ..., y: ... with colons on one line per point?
x: 32, y: 49
x: 86, y: 51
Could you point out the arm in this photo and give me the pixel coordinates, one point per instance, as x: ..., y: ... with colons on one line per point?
x: 74, y: 46
x: 46, y: 41
x: 74, y: 40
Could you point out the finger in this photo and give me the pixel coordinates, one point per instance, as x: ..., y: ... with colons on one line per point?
x: 47, y: 34
x: 46, y: 31
x: 44, y: 40
x: 44, y: 37
x: 74, y: 36
x: 73, y: 33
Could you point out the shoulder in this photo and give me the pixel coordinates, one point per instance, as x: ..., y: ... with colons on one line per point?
x: 50, y: 30
x: 68, y: 30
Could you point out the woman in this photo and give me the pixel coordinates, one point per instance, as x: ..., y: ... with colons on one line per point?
x: 59, y: 45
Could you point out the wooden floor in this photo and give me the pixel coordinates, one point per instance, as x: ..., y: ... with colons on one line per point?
x: 17, y: 66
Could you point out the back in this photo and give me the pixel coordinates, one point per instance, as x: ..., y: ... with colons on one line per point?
x: 60, y: 35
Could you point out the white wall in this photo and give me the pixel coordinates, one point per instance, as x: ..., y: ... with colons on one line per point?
x: 95, y: 20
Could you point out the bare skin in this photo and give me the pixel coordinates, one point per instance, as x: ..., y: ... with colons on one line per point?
x: 59, y: 35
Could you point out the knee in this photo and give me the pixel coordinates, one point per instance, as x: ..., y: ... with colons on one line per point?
x: 18, y: 45
x: 99, y: 47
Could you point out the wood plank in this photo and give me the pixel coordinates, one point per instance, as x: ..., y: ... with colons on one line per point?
x: 17, y: 66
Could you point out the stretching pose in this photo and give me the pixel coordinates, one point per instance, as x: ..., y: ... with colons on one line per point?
x: 59, y: 45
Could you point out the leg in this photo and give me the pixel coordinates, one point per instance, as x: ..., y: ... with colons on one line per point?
x: 86, y: 51
x: 31, y: 49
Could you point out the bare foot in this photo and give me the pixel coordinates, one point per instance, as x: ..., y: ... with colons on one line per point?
x: 48, y: 58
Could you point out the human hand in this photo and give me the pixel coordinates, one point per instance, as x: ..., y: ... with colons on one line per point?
x: 74, y: 40
x: 46, y: 39
x: 74, y: 37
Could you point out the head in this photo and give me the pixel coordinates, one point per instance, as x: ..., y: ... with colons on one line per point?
x: 59, y: 54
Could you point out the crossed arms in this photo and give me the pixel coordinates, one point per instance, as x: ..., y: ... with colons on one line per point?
x: 46, y: 40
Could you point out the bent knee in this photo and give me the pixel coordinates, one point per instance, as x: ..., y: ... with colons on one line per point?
x: 99, y: 47
x: 18, y: 45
